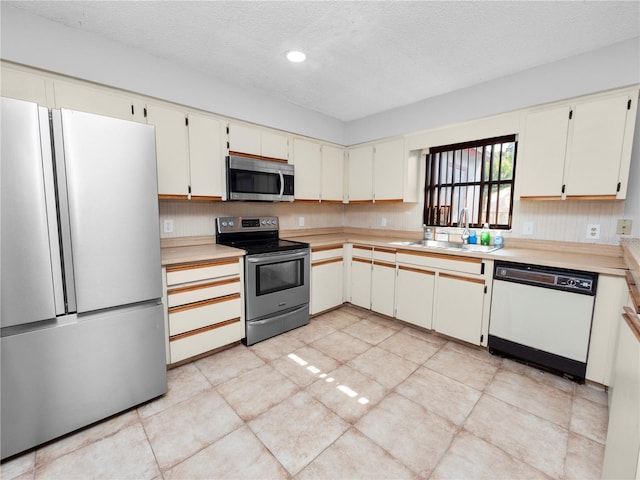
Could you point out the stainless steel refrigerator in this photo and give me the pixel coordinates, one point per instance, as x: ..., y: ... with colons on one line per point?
x: 82, y: 327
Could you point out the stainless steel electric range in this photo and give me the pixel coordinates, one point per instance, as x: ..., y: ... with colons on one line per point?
x: 276, y: 275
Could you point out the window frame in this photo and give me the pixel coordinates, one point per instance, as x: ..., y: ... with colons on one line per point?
x: 438, y: 213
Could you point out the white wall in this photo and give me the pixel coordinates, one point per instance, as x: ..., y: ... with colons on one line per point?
x: 615, y: 66
x: 40, y: 43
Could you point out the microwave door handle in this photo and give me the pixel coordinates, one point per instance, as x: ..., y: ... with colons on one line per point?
x: 281, y: 183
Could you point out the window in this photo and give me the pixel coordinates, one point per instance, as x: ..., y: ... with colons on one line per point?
x: 478, y: 176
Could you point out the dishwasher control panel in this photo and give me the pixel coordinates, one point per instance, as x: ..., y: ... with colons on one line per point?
x: 549, y: 277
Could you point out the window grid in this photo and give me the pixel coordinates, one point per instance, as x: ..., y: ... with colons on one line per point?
x: 476, y: 175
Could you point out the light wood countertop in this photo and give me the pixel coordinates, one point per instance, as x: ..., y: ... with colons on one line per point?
x: 605, y: 259
x: 176, y: 251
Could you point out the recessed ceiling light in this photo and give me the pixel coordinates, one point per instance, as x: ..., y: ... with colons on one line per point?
x: 296, y: 56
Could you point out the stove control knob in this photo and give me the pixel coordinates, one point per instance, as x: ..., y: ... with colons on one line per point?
x: 224, y: 224
x: 264, y: 222
x: 231, y: 223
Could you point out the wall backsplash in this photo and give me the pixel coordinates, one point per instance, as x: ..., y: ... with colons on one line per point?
x: 552, y: 220
x: 195, y: 218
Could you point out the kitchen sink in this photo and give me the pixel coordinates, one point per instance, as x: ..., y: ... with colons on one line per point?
x: 452, y: 246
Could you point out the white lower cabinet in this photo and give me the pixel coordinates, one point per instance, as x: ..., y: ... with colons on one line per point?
x: 383, y: 281
x: 327, y: 278
x: 459, y: 306
x: 204, y: 307
x: 445, y: 293
x: 361, y: 276
x: 414, y: 295
x: 622, y: 451
x: 373, y: 278
x: 611, y: 296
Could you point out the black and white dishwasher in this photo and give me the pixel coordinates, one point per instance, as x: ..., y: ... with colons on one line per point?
x: 542, y: 316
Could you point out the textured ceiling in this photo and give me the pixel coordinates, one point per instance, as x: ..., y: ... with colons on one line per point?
x: 362, y: 57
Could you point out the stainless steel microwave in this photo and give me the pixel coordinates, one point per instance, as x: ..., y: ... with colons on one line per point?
x: 262, y: 180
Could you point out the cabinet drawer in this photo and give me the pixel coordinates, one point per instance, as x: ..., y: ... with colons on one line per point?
x: 202, y: 291
x: 206, y: 339
x: 360, y: 251
x: 195, y: 272
x: 384, y: 254
x: 323, y: 253
x: 193, y: 316
x: 441, y: 262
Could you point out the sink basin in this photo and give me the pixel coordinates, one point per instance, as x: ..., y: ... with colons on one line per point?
x: 456, y: 246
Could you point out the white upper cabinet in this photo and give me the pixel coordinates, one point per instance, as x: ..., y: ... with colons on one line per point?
x: 258, y: 141
x: 171, y: 150
x: 189, y: 153
x: 319, y: 171
x: 544, y: 150
x: 382, y: 172
x: 332, y: 174
x: 307, y: 156
x: 101, y: 101
x: 26, y: 86
x: 360, y: 174
x: 206, y: 156
x: 580, y: 149
x: 274, y: 144
x: 388, y: 158
x: 595, y: 158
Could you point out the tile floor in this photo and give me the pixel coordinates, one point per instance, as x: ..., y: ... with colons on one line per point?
x: 351, y: 395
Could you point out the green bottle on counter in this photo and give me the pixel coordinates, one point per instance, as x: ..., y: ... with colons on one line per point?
x: 485, y: 235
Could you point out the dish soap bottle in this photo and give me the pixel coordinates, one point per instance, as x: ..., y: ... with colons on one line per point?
x: 485, y: 235
x: 498, y: 241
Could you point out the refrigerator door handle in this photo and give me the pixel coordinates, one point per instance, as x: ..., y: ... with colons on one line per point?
x: 63, y: 209
x: 52, y: 217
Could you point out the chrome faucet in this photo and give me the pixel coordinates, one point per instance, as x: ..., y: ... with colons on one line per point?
x: 465, y: 233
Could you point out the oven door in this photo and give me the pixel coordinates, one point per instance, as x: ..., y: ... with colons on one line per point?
x: 276, y: 281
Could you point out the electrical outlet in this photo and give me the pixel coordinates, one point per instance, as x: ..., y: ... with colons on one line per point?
x: 527, y: 228
x: 624, y: 226
x: 301, y: 221
x: 593, y: 231
x: 383, y: 222
x: 167, y: 226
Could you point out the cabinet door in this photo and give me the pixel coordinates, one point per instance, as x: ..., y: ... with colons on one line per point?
x: 25, y: 86
x: 205, y: 156
x: 414, y: 296
x: 308, y: 165
x: 595, y: 152
x: 274, y: 145
x: 610, y: 297
x: 244, y: 139
x: 92, y: 100
x: 332, y: 174
x: 361, y: 282
x: 383, y: 287
x: 360, y: 167
x: 544, y: 149
x: 459, y: 306
x: 326, y: 285
x: 171, y: 150
x: 388, y: 161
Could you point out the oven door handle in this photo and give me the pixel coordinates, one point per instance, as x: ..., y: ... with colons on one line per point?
x: 279, y: 256
x: 281, y: 183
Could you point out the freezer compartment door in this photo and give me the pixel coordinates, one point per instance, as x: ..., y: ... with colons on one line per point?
x: 30, y: 256
x: 111, y: 186
x: 59, y: 379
